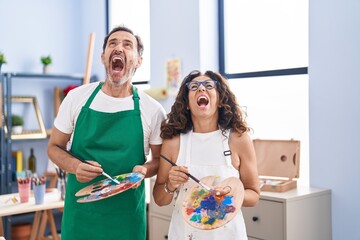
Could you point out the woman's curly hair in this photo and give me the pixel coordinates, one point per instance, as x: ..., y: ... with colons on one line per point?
x: 231, y: 116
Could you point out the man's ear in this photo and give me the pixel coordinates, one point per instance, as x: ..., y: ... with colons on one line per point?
x: 102, y: 58
x: 139, y: 62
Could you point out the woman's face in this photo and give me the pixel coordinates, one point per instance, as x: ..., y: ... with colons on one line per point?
x: 203, y: 97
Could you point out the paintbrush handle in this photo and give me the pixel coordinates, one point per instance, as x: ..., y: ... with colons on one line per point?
x: 82, y: 160
x: 191, y: 176
x: 168, y: 160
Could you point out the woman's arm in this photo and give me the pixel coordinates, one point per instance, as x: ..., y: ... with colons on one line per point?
x: 172, y: 176
x: 244, y: 159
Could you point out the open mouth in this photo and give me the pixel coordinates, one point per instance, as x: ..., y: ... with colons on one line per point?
x: 117, y: 63
x: 202, y: 101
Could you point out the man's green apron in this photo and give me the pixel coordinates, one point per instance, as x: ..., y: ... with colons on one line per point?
x: 115, y: 140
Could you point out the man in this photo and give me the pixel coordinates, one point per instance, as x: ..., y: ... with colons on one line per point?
x: 113, y: 126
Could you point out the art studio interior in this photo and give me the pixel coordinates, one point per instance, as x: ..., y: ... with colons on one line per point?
x: 293, y: 66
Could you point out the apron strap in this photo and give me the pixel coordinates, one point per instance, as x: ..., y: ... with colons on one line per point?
x: 227, y: 151
x: 136, y: 98
x: 188, y: 148
x: 92, y: 96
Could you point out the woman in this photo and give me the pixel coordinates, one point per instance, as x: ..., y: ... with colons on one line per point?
x: 205, y: 134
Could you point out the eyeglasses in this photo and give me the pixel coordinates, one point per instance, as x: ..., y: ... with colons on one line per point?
x: 208, y: 84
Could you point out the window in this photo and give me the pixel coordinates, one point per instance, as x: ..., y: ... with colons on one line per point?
x: 264, y: 53
x: 135, y: 15
x: 263, y: 38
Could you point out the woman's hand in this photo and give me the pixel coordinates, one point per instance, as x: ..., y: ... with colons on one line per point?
x: 222, y: 190
x: 177, y: 176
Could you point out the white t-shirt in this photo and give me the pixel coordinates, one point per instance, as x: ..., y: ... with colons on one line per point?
x: 152, y: 113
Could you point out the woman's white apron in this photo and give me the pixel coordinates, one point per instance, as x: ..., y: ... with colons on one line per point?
x: 205, y: 154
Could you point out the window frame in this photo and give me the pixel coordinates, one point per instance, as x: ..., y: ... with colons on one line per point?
x: 222, y: 62
x: 107, y: 31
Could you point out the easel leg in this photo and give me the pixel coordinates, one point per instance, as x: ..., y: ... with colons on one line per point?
x: 1, y: 227
x: 35, y: 226
x: 52, y: 224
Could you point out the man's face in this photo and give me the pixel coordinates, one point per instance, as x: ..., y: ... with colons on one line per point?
x: 120, y: 57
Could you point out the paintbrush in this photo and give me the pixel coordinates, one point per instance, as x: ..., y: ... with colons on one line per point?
x: 191, y: 176
x: 103, y: 173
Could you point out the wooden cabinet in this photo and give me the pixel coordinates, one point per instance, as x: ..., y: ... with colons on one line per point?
x: 159, y: 217
x: 298, y: 214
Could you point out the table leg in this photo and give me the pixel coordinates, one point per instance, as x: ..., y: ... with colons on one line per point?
x: 52, y: 224
x: 35, y: 226
x: 43, y: 226
x: 1, y: 227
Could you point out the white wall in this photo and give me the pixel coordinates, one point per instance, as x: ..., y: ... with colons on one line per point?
x: 334, y: 75
x: 31, y: 29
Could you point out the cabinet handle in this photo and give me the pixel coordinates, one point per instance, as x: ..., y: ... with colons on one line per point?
x: 255, y: 219
x: 166, y: 237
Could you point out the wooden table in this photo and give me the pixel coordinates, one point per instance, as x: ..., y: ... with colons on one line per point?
x: 43, y: 212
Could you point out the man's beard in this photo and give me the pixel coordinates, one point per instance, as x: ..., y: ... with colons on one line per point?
x: 122, y: 81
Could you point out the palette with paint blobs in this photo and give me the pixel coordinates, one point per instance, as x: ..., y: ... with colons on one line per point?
x: 107, y: 188
x: 204, y: 210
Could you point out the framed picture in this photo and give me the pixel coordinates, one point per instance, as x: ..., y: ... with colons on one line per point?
x: 28, y: 108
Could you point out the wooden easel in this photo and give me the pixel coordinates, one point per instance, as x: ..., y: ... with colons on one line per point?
x: 89, y: 58
x: 58, y: 92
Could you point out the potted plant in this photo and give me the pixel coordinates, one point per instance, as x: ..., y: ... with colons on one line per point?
x: 46, y: 61
x: 2, y: 59
x: 17, y: 123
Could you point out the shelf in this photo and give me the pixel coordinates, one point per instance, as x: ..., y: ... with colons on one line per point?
x: 40, y: 75
x: 32, y: 131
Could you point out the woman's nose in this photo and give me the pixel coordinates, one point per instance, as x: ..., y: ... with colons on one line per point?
x: 201, y: 88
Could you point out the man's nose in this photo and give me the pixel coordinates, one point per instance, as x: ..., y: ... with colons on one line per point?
x: 119, y: 48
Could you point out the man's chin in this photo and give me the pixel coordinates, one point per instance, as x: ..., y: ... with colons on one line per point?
x: 119, y: 81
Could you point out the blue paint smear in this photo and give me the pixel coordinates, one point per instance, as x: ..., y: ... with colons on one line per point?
x: 209, y: 204
x: 227, y: 200
x: 135, y: 178
x: 215, y: 210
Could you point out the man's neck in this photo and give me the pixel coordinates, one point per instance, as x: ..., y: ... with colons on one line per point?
x: 120, y: 91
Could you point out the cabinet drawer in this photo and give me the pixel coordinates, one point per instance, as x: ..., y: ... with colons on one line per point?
x: 265, y: 220
x: 159, y: 228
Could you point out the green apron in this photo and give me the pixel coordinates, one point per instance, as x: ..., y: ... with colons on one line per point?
x: 115, y: 140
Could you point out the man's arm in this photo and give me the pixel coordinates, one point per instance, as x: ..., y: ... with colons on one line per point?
x: 84, y: 172
x: 151, y: 167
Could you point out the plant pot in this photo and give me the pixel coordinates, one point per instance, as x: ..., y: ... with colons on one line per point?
x: 45, y: 69
x: 17, y: 129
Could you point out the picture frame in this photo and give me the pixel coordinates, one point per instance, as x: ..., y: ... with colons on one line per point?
x: 32, y: 129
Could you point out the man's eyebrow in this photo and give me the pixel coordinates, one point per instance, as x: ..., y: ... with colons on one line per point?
x: 112, y: 40
x: 128, y: 41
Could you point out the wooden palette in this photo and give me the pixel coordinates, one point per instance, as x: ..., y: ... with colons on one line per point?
x: 204, y: 210
x: 107, y: 188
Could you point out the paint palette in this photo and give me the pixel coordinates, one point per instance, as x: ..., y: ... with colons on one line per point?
x: 107, y: 188
x: 204, y: 210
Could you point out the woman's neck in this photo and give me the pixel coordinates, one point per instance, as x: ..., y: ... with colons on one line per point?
x: 205, y: 125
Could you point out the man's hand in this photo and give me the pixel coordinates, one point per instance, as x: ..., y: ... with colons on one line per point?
x: 87, y: 172
x: 139, y: 169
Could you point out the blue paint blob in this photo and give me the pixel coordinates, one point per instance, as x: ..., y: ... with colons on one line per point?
x: 227, y: 200
x: 209, y: 203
